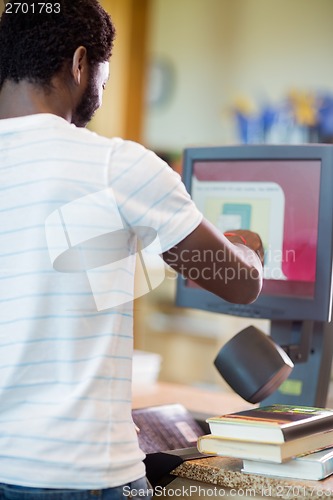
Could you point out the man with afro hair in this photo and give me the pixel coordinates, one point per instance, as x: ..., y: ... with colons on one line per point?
x: 73, y: 207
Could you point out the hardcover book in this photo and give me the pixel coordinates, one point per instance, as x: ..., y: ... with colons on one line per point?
x: 272, y: 424
x: 314, y: 466
x: 268, y: 452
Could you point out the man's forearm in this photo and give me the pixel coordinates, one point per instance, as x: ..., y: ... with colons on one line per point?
x: 232, y: 271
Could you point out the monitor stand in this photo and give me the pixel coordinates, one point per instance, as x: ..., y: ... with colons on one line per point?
x: 310, y: 346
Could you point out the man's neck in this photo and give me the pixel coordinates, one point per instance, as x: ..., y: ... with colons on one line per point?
x: 24, y: 98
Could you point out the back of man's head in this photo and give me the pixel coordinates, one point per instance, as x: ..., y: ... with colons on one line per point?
x: 36, y: 41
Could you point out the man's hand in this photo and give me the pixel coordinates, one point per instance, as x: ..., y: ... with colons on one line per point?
x: 248, y: 238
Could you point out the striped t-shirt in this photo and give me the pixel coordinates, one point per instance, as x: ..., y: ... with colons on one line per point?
x: 71, y: 206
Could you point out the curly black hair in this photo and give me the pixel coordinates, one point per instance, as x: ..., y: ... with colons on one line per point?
x: 35, y: 45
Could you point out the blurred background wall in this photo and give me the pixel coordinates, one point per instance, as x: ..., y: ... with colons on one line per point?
x: 219, y: 51
x: 180, y: 66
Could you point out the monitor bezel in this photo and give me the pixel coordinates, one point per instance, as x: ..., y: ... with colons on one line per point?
x: 273, y: 307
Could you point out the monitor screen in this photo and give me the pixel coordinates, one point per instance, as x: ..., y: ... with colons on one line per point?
x: 284, y: 193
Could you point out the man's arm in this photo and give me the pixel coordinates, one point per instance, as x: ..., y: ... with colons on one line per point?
x: 222, y: 265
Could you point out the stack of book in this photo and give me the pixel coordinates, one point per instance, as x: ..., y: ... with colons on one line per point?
x: 277, y: 440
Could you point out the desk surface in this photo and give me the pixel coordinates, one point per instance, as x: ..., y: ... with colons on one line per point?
x: 226, y: 472
x: 194, y: 399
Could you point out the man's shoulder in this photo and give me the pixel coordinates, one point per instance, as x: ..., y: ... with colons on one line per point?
x: 90, y: 137
x: 117, y: 144
x: 119, y: 149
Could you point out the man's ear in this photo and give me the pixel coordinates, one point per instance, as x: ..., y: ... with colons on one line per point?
x: 79, y: 64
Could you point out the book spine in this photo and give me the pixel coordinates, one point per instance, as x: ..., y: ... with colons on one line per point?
x: 302, y: 429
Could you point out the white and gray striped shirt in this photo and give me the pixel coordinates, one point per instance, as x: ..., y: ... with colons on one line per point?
x: 65, y: 363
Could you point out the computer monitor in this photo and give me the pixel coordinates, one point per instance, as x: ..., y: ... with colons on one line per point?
x: 284, y: 193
